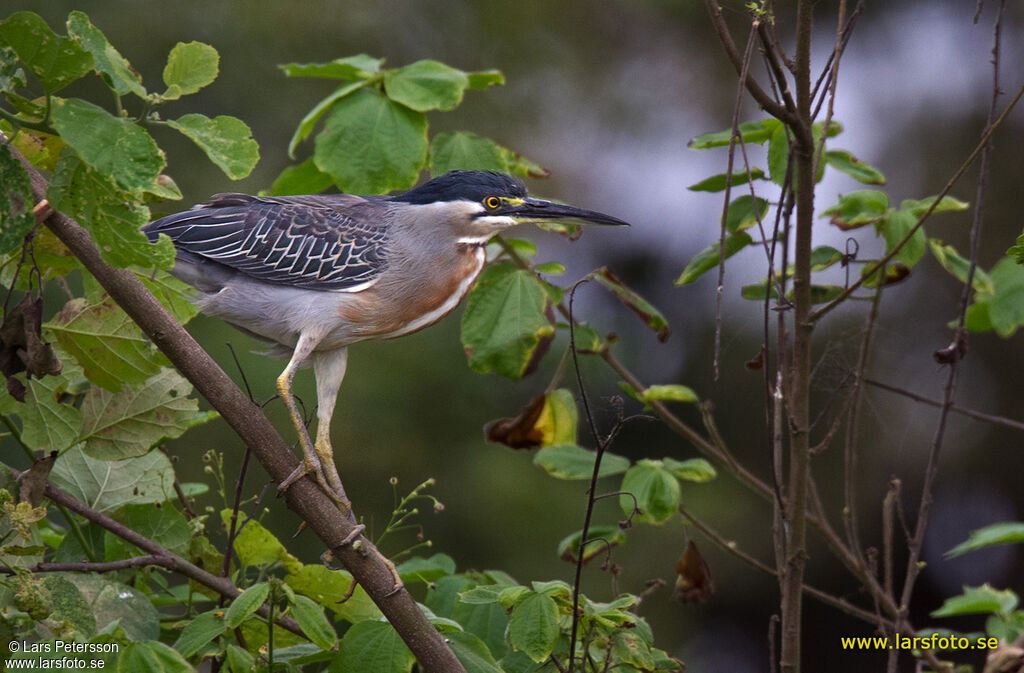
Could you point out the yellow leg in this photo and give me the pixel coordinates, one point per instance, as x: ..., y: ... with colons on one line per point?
x: 330, y: 369
x: 311, y: 462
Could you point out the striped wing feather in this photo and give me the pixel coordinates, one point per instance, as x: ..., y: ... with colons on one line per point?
x: 313, y: 242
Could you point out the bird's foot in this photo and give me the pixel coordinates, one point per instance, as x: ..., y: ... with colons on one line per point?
x: 311, y: 465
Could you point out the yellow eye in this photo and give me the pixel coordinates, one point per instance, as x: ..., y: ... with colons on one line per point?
x: 492, y: 202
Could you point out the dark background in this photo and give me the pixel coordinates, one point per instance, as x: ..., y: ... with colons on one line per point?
x: 606, y: 95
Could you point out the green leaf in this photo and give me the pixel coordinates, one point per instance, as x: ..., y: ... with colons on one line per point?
x: 708, y: 258
x: 974, y: 600
x: 655, y: 489
x: 643, y: 308
x: 255, y: 545
x: 669, y: 393
x: 304, y: 178
x: 114, y: 146
x: 172, y: 293
x: 106, y: 486
x: 239, y: 660
x: 630, y: 648
x: 947, y: 205
x: 129, y: 423
x: 16, y: 200
x: 151, y: 656
x: 843, y: 161
x: 1003, y: 309
x: 226, y: 140
x: 372, y: 647
x: 824, y: 293
x: 744, y: 213
x: 360, y: 66
x: 952, y: 262
x: 1017, y: 251
x: 750, y: 132
x: 484, y: 79
x: 311, y: 619
x: 599, y: 540
x: 190, y: 67
x: 717, y: 183
x: 56, y: 61
x: 105, y: 210
x: 110, y: 347
x: 568, y: 461
x: 533, y: 626
x: 70, y: 605
x: 473, y: 652
x: 47, y: 423
x: 330, y: 589
x: 463, y: 150
x: 246, y: 603
x: 372, y: 145
x: 859, y: 208
x: 203, y: 629
x: 116, y: 604
x: 164, y: 525
x: 506, y: 321
x: 109, y: 63
x: 778, y: 155
x: 308, y: 122
x: 419, y: 569
x: 426, y: 85
x: 694, y: 469
x: 1008, y: 532
x: 895, y: 227
x: 824, y: 256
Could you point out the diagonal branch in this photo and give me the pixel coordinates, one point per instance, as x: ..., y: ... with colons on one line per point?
x: 367, y: 565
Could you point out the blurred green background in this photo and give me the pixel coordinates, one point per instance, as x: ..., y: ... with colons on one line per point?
x: 606, y: 94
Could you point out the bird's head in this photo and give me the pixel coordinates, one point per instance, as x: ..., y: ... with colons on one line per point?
x: 480, y: 204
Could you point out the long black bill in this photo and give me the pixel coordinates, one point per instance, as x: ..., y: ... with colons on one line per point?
x: 532, y: 210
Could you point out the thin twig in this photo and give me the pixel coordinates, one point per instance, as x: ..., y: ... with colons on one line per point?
x: 963, y: 411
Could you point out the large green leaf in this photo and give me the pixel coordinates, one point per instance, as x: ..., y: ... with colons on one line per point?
x: 105, y: 485
x: 708, y: 258
x: 895, y: 226
x: 533, y: 626
x: 954, y: 263
x: 255, y: 545
x: 190, y: 67
x: 655, y: 489
x: 372, y: 647
x: 16, y: 218
x: 360, y: 66
x: 172, y: 293
x: 1008, y: 532
x: 845, y: 162
x: 330, y: 589
x: 114, y: 602
x: 246, y: 603
x: 164, y: 525
x: 463, y: 150
x: 105, y: 210
x: 226, y: 140
x: 304, y: 178
x: 311, y: 619
x: 859, y: 208
x: 114, y: 146
x: 693, y: 469
x: 112, y: 66
x: 507, y: 319
x: 151, y: 656
x: 1003, y: 308
x: 426, y: 85
x: 308, y: 122
x: 56, y: 61
x: 744, y: 213
x: 372, y: 145
x: 201, y: 630
x: 718, y: 183
x: 110, y: 347
x: 568, y: 461
x: 750, y: 132
x: 974, y: 600
x: 472, y: 652
x: 47, y: 422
